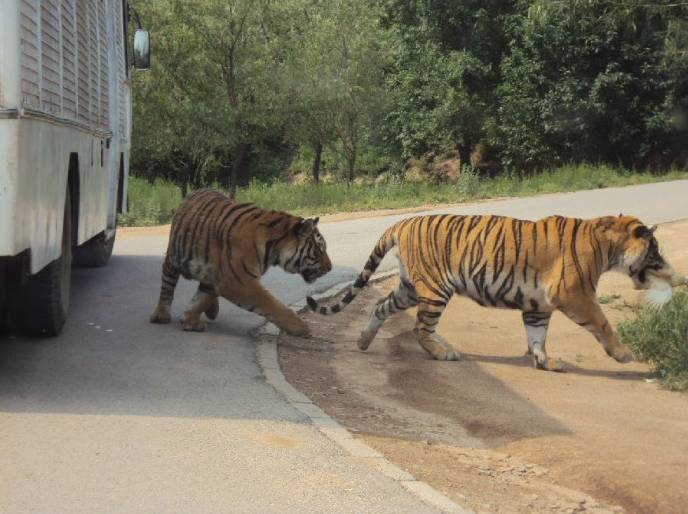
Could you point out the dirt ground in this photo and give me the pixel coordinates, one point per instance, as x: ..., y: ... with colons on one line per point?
x: 492, y: 432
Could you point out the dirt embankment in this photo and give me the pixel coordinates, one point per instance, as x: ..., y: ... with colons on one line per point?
x: 490, y: 431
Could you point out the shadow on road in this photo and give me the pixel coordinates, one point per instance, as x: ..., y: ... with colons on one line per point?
x: 394, y: 389
x: 110, y: 359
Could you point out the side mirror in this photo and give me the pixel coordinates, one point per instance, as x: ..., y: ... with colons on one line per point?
x: 141, y: 49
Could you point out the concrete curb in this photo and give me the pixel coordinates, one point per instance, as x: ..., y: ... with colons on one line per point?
x: 267, y: 359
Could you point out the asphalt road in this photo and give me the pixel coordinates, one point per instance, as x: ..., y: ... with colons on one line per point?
x: 118, y: 415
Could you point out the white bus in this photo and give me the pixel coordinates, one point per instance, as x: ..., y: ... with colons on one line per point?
x: 65, y: 125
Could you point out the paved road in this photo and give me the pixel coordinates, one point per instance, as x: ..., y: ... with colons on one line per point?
x: 118, y: 415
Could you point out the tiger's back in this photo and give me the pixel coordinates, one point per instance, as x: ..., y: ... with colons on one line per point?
x: 204, y: 223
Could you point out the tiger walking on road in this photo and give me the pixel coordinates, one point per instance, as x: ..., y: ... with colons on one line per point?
x: 227, y: 246
x: 537, y: 267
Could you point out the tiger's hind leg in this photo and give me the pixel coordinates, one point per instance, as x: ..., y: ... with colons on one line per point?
x: 170, y: 276
x: 536, y: 324
x: 430, y: 307
x: 204, y: 301
x: 402, y: 298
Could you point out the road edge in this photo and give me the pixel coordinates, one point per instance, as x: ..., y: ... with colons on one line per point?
x: 268, y: 361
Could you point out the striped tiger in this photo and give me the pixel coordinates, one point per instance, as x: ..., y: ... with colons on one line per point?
x: 537, y: 267
x: 227, y: 246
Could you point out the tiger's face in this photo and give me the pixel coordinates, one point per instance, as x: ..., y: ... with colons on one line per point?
x: 640, y: 255
x: 306, y: 252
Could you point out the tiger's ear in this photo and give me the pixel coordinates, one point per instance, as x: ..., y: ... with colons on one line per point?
x: 305, y: 227
x: 644, y: 232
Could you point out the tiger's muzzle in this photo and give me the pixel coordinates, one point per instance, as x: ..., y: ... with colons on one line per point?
x: 311, y: 274
x: 654, y: 264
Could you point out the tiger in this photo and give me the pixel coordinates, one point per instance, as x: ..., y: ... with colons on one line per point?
x: 227, y: 246
x: 535, y: 266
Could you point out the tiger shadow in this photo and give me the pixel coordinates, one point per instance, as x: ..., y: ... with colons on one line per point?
x: 526, y: 361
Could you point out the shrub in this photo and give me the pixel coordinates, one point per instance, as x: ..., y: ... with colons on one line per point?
x: 660, y: 337
x: 150, y: 203
x: 468, y: 182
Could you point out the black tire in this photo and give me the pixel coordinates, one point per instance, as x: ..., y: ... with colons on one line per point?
x: 3, y: 299
x: 40, y: 306
x: 95, y: 252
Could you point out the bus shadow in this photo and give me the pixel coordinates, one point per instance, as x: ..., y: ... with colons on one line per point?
x: 111, y: 360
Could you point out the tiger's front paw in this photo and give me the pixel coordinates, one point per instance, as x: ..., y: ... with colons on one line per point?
x: 214, y: 309
x: 446, y: 355
x: 549, y: 364
x: 189, y: 325
x: 621, y: 354
x: 299, y: 329
x: 161, y: 315
x: 439, y: 349
x: 365, y: 339
x: 193, y: 327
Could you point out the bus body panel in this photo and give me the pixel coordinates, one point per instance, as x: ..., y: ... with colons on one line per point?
x: 64, y: 94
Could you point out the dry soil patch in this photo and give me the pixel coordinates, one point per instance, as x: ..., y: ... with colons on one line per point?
x: 490, y: 431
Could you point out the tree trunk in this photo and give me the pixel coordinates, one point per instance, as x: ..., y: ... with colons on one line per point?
x: 352, y: 167
x: 232, y: 181
x: 237, y: 169
x: 316, y: 162
x: 465, y: 154
x: 352, y: 162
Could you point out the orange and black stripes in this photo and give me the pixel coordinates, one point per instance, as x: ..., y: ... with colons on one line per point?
x: 534, y: 266
x: 227, y: 246
x: 496, y: 261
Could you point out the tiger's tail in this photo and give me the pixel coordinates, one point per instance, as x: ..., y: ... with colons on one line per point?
x: 386, y: 242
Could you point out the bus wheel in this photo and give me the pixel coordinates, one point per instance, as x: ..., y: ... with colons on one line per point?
x: 95, y: 252
x: 3, y: 304
x: 40, y: 306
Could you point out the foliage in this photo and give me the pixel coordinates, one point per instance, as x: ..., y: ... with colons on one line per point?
x: 150, y: 203
x: 660, y: 336
x: 589, y: 79
x: 445, y: 71
x: 237, y: 84
x: 244, y: 90
x: 309, y: 198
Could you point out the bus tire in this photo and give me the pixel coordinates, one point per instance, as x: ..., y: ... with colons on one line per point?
x: 40, y: 305
x: 3, y: 295
x: 95, y: 252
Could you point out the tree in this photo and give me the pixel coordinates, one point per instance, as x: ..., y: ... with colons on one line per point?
x: 337, y: 75
x: 174, y: 131
x: 237, y: 40
x: 358, y: 56
x: 445, y: 70
x: 311, y: 86
x: 587, y: 80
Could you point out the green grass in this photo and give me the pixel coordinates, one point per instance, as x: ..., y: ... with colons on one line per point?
x: 608, y: 298
x: 153, y: 203
x: 150, y: 203
x: 660, y: 337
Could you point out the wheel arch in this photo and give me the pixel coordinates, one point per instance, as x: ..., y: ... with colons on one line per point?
x: 74, y: 186
x: 120, y: 185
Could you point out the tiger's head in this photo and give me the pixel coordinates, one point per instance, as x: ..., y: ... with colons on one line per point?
x: 637, y: 252
x: 305, y: 252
